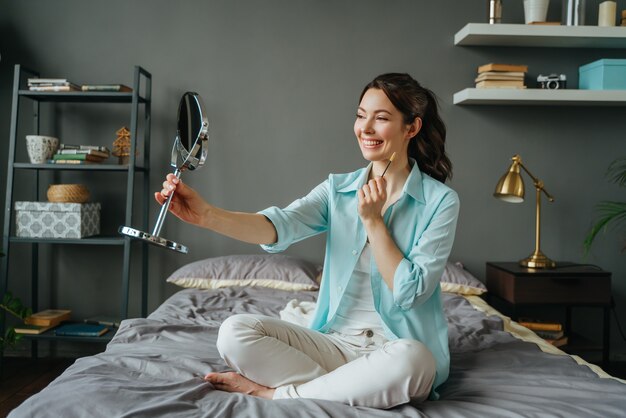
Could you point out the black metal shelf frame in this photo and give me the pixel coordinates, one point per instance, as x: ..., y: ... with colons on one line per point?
x: 137, y: 97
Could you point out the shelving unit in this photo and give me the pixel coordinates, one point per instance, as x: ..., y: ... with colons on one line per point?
x: 542, y: 36
x: 140, y: 96
x: 540, y: 97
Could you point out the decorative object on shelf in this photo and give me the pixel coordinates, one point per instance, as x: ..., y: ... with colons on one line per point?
x: 501, y: 76
x: 611, y: 212
x: 57, y: 220
x: 535, y: 10
x: 573, y: 12
x: 121, y: 145
x: 188, y: 153
x: 606, y: 13
x: 604, y: 74
x: 623, y: 18
x: 68, y: 193
x: 494, y: 11
x: 41, y: 148
x: 510, y: 188
x: 552, y: 81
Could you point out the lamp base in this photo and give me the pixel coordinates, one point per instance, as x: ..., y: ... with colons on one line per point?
x: 537, y: 261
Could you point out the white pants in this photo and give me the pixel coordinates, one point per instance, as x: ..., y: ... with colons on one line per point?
x: 302, y: 363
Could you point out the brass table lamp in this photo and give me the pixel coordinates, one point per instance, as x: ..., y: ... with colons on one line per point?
x: 510, y: 188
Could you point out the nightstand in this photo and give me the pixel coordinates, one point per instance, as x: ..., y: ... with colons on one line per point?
x: 568, y: 285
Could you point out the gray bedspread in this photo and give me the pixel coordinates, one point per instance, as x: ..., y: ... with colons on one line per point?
x: 153, y: 368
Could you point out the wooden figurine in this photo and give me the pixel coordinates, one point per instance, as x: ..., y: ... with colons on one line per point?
x: 121, y: 146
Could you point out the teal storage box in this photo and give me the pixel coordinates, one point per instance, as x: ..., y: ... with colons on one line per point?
x: 604, y: 74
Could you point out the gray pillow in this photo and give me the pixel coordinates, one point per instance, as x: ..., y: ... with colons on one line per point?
x: 263, y: 270
x: 456, y: 279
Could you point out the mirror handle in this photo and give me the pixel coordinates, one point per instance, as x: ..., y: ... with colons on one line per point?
x: 159, y: 223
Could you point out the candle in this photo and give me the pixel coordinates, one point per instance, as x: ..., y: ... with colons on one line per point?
x: 606, y: 13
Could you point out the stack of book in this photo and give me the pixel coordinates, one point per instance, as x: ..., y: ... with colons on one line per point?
x: 80, y: 154
x: 43, y: 321
x: 501, y: 76
x: 552, y: 332
x: 51, y: 84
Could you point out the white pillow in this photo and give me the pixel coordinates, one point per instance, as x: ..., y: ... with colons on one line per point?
x: 263, y: 270
x: 456, y: 279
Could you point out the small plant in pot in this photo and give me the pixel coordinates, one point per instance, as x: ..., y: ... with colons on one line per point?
x: 611, y: 214
x: 14, y: 307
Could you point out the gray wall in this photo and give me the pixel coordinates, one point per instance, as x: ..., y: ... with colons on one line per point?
x: 281, y: 81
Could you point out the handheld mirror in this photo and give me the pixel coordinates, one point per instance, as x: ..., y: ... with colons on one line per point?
x: 188, y: 153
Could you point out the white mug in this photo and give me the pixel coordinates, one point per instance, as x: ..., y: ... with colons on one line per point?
x: 535, y: 10
x: 41, y: 148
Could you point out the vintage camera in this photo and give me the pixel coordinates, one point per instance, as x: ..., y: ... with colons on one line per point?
x: 552, y: 81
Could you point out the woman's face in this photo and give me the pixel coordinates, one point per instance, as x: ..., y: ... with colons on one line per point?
x: 380, y: 127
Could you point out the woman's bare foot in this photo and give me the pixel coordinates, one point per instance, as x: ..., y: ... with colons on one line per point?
x: 234, y: 382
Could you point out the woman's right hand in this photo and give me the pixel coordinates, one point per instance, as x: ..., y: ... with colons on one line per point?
x: 186, y: 203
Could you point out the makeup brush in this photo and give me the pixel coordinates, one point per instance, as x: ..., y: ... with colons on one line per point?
x: 389, y: 163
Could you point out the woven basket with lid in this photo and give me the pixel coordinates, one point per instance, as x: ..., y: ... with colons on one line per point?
x: 68, y: 193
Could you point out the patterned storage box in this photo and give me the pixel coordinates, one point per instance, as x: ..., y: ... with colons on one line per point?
x: 57, y: 220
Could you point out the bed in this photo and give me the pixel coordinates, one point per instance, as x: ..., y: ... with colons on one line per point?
x: 153, y: 366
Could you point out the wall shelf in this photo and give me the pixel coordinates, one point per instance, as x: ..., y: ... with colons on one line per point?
x: 540, y: 97
x: 521, y: 35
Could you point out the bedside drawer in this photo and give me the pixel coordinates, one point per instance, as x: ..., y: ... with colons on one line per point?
x: 550, y: 287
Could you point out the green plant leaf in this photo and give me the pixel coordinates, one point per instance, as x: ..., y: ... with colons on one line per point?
x: 616, y: 172
x: 610, y: 214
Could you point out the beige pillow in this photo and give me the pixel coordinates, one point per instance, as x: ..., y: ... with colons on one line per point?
x: 262, y: 270
x: 456, y: 279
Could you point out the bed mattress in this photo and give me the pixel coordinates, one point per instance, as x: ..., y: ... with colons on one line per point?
x: 153, y: 367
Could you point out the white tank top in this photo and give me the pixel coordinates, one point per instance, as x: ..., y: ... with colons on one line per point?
x: 356, y: 314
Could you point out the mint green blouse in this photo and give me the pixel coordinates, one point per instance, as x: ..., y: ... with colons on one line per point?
x: 422, y: 223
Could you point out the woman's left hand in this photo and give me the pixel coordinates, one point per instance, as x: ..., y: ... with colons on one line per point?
x: 372, y: 198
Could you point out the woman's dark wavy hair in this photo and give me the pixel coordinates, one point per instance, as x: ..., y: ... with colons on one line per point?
x: 413, y: 100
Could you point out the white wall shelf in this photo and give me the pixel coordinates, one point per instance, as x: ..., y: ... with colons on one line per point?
x: 540, y: 97
x: 484, y: 34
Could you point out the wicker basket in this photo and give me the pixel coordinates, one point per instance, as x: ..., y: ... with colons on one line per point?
x: 68, y: 193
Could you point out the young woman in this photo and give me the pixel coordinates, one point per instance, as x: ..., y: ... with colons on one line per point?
x: 378, y: 337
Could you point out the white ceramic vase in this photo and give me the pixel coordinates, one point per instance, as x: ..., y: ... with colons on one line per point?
x: 41, y: 148
x: 536, y: 10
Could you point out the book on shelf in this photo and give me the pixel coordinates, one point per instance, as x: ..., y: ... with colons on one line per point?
x: 32, y: 329
x: 74, y: 162
x: 86, y: 157
x: 51, y: 84
x: 540, y: 325
x: 518, y: 84
x: 54, y: 88
x: 500, y: 75
x: 106, y: 87
x: 558, y: 342
x: 503, y: 67
x: 95, y: 152
x: 549, y: 335
x: 108, y: 321
x: 36, y: 80
x: 48, y: 317
x: 81, y: 330
x: 84, y: 147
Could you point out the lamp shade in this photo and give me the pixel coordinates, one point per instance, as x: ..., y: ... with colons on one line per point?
x: 510, y: 188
